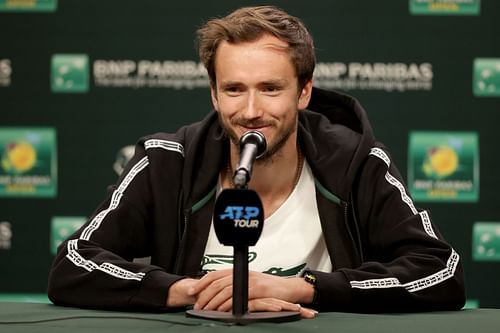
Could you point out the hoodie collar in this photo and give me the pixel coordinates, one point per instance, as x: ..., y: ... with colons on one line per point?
x: 334, y: 134
x: 336, y: 137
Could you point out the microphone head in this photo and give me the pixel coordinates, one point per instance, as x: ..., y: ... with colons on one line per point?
x: 238, y: 217
x: 256, y: 138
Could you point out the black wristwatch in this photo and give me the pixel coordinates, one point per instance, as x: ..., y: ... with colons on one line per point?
x: 311, y: 278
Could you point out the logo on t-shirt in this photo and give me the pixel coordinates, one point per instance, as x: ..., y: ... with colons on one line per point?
x: 214, y: 262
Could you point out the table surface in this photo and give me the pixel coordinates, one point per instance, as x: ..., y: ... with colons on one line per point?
x: 38, y: 317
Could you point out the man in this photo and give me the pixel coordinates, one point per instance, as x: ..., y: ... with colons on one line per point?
x: 338, y: 219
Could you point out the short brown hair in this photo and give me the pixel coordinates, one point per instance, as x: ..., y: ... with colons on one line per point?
x: 250, y: 23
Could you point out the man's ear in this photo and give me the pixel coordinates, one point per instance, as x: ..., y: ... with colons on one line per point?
x: 305, y: 95
x: 213, y: 95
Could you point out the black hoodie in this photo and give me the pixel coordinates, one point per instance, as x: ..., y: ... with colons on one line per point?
x: 386, y: 254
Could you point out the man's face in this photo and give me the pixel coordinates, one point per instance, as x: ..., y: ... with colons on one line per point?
x: 257, y: 89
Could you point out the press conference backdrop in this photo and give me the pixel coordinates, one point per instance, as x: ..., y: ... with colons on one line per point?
x: 81, y: 81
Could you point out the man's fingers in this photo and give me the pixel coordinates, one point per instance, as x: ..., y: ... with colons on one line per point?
x: 208, y: 279
x: 264, y: 304
x: 307, y: 313
x: 215, y: 293
x: 226, y: 306
x: 220, y: 298
x: 274, y: 304
x: 259, y: 304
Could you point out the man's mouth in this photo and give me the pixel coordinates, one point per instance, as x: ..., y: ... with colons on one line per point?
x: 263, y: 129
x: 254, y: 128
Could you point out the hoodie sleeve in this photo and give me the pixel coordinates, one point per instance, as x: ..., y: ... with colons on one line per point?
x: 94, y: 268
x: 407, y: 265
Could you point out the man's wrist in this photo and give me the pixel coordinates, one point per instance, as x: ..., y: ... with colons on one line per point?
x: 303, y: 292
x: 178, y: 293
x: 311, y: 279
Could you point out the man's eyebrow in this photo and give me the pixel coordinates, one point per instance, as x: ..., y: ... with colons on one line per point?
x: 270, y: 82
x: 229, y: 83
x: 276, y: 82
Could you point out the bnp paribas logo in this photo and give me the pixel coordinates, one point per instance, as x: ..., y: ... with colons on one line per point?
x: 28, y: 5
x: 486, y: 80
x: 61, y: 228
x: 486, y: 241
x: 443, y: 166
x: 70, y: 73
x: 445, y: 7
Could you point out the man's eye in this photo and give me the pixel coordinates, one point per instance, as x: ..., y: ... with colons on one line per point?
x: 232, y: 90
x: 271, y: 89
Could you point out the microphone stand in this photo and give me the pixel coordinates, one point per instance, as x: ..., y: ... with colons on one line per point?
x: 240, y: 314
x: 240, y: 280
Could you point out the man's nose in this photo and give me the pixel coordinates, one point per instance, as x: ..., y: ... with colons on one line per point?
x: 253, y: 108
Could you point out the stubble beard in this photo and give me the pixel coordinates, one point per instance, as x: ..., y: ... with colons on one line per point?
x: 273, y: 150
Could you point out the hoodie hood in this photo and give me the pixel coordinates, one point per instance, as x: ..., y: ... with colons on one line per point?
x: 333, y: 131
x: 336, y: 137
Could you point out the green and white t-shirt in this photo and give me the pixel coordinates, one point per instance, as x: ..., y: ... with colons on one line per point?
x: 291, y: 238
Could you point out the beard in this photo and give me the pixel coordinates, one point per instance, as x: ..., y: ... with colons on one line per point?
x: 273, y: 148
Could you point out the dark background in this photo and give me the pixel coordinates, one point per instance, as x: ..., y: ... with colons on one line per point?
x: 92, y: 127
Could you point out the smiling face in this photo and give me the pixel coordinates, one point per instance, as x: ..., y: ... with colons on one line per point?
x: 257, y: 88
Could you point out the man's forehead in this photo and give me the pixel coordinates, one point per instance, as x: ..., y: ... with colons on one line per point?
x: 234, y: 60
x: 242, y: 51
x: 266, y: 40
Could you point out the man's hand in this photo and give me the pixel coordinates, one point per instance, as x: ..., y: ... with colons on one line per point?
x: 265, y: 293
x: 178, y: 293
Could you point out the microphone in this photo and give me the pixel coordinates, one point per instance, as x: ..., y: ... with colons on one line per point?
x: 238, y: 217
x: 238, y: 220
x: 252, y: 146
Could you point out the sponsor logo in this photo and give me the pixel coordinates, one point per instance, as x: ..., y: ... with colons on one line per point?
x: 28, y: 162
x: 61, y: 227
x: 182, y: 74
x: 223, y: 259
x: 242, y: 216
x: 213, y: 262
x: 28, y: 5
x: 5, y: 72
x: 280, y: 271
x: 5, y: 235
x: 445, y: 7
x: 398, y: 77
x: 69, y: 73
x: 486, y: 241
x: 444, y: 166
x: 486, y: 80
x: 123, y: 156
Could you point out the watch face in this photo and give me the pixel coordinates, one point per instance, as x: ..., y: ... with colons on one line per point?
x: 310, y: 278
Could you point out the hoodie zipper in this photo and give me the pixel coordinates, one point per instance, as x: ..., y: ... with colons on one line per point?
x: 182, y: 246
x: 355, y: 241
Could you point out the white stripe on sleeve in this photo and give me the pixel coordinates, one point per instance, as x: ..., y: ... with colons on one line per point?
x: 427, y: 281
